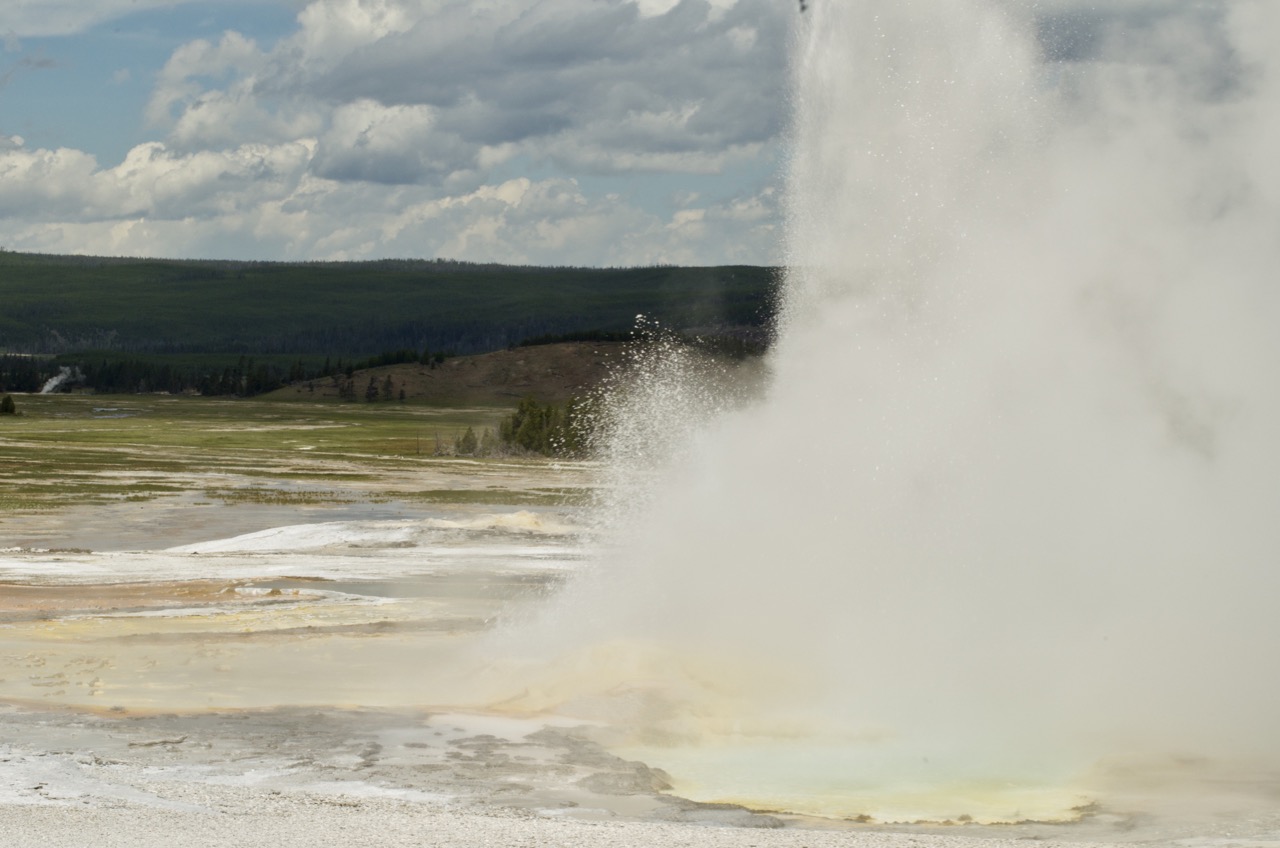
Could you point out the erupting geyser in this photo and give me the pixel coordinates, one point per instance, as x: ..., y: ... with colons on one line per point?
x: 1009, y: 509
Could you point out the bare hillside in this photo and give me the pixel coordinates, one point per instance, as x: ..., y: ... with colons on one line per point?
x: 549, y: 373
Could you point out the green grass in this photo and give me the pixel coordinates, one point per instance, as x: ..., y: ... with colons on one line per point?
x: 66, y: 450
x: 277, y: 497
x: 490, y: 497
x: 91, y: 427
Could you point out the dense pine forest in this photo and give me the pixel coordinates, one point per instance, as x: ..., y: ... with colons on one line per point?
x: 222, y: 327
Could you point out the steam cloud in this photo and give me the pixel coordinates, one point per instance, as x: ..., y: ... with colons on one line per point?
x: 1012, y: 495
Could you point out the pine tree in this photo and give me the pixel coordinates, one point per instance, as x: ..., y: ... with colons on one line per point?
x: 468, y: 443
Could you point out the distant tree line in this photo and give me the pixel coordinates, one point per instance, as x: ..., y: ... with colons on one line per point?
x: 459, y: 336
x: 532, y: 429
x: 223, y: 267
x: 375, y: 390
x: 582, y: 336
x: 71, y: 304
x: 550, y: 430
x: 24, y: 373
x: 244, y: 376
x: 402, y: 357
x: 717, y: 342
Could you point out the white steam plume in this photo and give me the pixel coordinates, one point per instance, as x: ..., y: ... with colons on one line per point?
x: 1013, y: 495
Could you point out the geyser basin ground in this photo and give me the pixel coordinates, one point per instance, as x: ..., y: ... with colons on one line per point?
x: 298, y: 682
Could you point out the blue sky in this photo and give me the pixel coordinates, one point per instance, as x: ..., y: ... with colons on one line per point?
x: 595, y: 132
x: 89, y: 90
x: 583, y: 132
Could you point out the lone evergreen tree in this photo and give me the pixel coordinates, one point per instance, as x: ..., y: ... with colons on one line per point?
x: 468, y: 443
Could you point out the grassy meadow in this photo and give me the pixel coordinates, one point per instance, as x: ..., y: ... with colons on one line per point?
x: 79, y: 450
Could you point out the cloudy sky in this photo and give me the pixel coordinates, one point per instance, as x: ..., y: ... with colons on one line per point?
x: 591, y: 132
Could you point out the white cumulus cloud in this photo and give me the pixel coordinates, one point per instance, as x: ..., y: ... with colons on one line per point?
x: 401, y: 127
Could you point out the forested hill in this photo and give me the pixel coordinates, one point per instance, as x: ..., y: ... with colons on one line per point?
x: 63, y: 304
